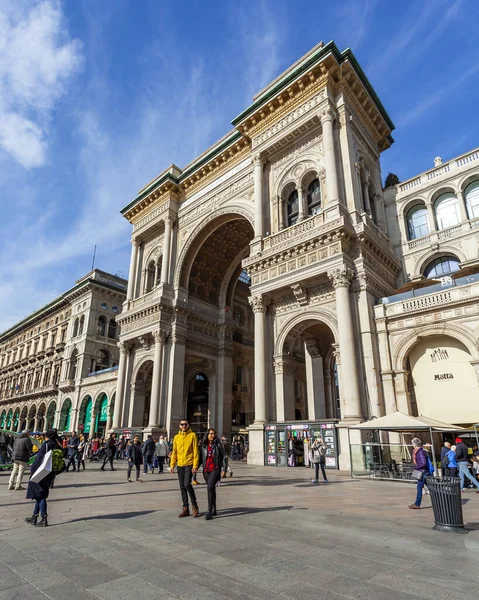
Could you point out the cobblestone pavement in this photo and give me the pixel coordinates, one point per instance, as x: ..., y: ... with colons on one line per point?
x: 276, y: 537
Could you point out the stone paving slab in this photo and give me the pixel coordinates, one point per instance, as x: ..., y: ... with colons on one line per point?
x: 276, y: 537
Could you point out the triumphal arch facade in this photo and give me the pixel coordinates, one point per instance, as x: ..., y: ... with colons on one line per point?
x: 254, y: 269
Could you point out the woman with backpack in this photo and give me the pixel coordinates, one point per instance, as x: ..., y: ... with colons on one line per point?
x: 39, y: 491
x: 421, y: 463
x: 318, y: 458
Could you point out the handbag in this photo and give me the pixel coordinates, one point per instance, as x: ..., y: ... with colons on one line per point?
x: 44, y: 469
x: 418, y: 475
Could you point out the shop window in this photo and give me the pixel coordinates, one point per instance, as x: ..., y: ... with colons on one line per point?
x: 314, y: 198
x: 440, y: 267
x: 417, y: 224
x: 101, y: 326
x: 112, y: 329
x: 472, y: 200
x: 293, y: 208
x: 447, y: 212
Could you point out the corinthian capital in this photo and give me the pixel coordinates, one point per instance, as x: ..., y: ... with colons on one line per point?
x: 258, y: 159
x: 328, y: 114
x: 123, y: 347
x: 160, y: 336
x: 341, y: 277
x: 258, y: 303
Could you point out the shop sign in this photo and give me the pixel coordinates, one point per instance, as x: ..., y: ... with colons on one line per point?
x: 327, y: 426
x: 330, y: 461
x: 270, y: 427
x: 271, y: 460
x: 443, y: 376
x: 301, y: 426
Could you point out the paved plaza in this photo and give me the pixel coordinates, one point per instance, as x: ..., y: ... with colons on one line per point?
x: 276, y: 536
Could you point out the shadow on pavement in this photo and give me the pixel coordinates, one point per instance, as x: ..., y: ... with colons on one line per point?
x: 242, y: 510
x: 126, y: 515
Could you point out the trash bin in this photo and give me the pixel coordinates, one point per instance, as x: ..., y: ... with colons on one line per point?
x: 446, y: 503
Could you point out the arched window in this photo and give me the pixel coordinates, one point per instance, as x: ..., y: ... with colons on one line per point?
x: 72, y: 367
x: 472, y: 199
x: 447, y: 212
x: 112, y: 329
x: 101, y: 326
x: 314, y: 197
x: 75, y: 328
x: 102, y: 360
x: 444, y: 265
x: 82, y: 322
x: 150, y: 276
x: 293, y: 207
x: 417, y: 225
x: 158, y: 269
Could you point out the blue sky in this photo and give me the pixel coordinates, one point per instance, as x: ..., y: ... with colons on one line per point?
x: 96, y: 98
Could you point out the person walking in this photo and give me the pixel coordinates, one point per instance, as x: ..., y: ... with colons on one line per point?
x: 419, y: 457
x: 134, y: 454
x: 213, y: 453
x: 110, y: 447
x: 82, y: 451
x: 462, y: 457
x: 318, y: 458
x: 161, y: 452
x: 72, y: 454
x: 39, y: 491
x: 185, y: 456
x: 444, y: 460
x: 149, y: 448
x: 452, y: 462
x: 22, y: 448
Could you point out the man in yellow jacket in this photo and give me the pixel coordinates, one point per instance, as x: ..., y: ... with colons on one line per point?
x: 185, y: 457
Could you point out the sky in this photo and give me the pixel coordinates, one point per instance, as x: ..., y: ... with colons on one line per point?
x: 97, y: 98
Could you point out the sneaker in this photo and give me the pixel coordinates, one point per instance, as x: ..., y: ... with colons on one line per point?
x: 325, y: 481
x: 10, y: 487
x: 19, y: 488
x: 313, y: 480
x: 129, y: 480
x: 194, y: 482
x: 139, y: 481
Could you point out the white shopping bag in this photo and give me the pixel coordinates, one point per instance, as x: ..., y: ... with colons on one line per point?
x: 44, y: 469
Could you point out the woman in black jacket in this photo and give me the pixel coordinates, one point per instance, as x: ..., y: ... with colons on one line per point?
x: 39, y: 491
x: 213, y: 453
x: 135, y: 458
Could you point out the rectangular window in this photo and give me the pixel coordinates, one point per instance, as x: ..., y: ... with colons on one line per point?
x: 239, y: 374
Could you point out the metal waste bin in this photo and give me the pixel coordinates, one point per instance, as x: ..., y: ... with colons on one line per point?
x: 446, y: 503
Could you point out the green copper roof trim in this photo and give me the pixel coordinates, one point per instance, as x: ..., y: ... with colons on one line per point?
x: 231, y: 139
x: 329, y: 48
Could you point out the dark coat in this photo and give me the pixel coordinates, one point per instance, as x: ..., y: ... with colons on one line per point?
x: 135, y: 454
x: 462, y: 454
x: 22, y: 448
x: 40, y: 490
x: 73, y: 444
x: 149, y: 447
x: 218, y: 453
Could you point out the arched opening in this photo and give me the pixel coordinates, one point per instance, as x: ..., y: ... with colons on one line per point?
x: 75, y: 327
x: 72, y: 366
x: 32, y: 413
x: 23, y: 418
x: 42, y: 410
x: 441, y: 267
x: 16, y: 419
x: 101, y: 330
x: 81, y: 325
x: 101, y: 410
x: 471, y: 195
x: 141, y: 395
x: 8, y: 422
x: 65, y: 415
x: 3, y: 419
x: 443, y: 383
x: 197, y: 403
x: 446, y: 209
x: 85, y: 415
x: 292, y: 208
x: 314, y: 197
x: 50, y: 417
x: 150, y: 276
x: 417, y: 222
x: 112, y: 329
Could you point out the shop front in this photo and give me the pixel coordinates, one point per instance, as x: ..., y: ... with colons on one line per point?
x: 288, y: 444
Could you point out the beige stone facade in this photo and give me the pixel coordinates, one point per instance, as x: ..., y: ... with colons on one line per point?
x: 58, y: 367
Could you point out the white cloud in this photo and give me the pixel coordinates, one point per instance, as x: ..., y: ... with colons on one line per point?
x: 37, y: 59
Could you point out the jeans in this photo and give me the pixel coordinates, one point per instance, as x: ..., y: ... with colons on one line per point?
x: 316, y: 471
x: 452, y: 471
x: 420, y: 484
x: 109, y: 456
x: 130, y: 467
x: 17, y: 474
x: 463, y: 470
x: 184, y: 477
x: 147, y: 462
x: 71, y: 460
x: 212, y: 479
x: 40, y: 507
x: 161, y: 462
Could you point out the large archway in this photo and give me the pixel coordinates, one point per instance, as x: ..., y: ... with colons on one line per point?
x: 85, y: 414
x: 50, y: 416
x: 197, y: 403
x: 65, y: 415
x: 141, y: 395
x: 442, y: 382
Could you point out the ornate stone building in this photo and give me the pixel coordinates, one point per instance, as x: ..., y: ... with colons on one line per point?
x: 255, y: 269
x: 58, y: 366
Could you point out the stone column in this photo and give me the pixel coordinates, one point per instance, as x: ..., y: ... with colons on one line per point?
x: 462, y: 206
x: 175, y: 408
x: 160, y: 339
x: 431, y: 217
x: 284, y: 371
x: 316, y: 396
x: 132, y: 273
x: 351, y: 403
x: 222, y: 409
x: 301, y: 211
x: 329, y: 155
x: 120, y: 385
x: 19, y: 424
x: 402, y: 393
x: 109, y: 419
x: 280, y: 213
x: 165, y: 264
x: 366, y: 201
x: 259, y: 305
x: 93, y: 423
x: 258, y: 197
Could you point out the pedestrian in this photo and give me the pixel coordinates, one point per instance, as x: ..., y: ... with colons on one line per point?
x: 161, y: 453
x: 185, y: 456
x: 213, y: 452
x: 444, y: 459
x: 3, y: 448
x: 135, y: 458
x: 226, y: 446
x: 194, y: 480
x: 64, y: 443
x: 110, y: 451
x: 22, y: 448
x: 82, y: 451
x: 420, y: 459
x: 149, y: 448
x: 318, y: 458
x: 452, y: 462
x: 72, y: 455
x: 462, y: 457
x: 39, y: 491
x: 475, y: 459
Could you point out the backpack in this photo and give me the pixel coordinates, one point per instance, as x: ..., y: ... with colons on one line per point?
x: 445, y: 461
x: 430, y: 466
x: 58, y: 464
